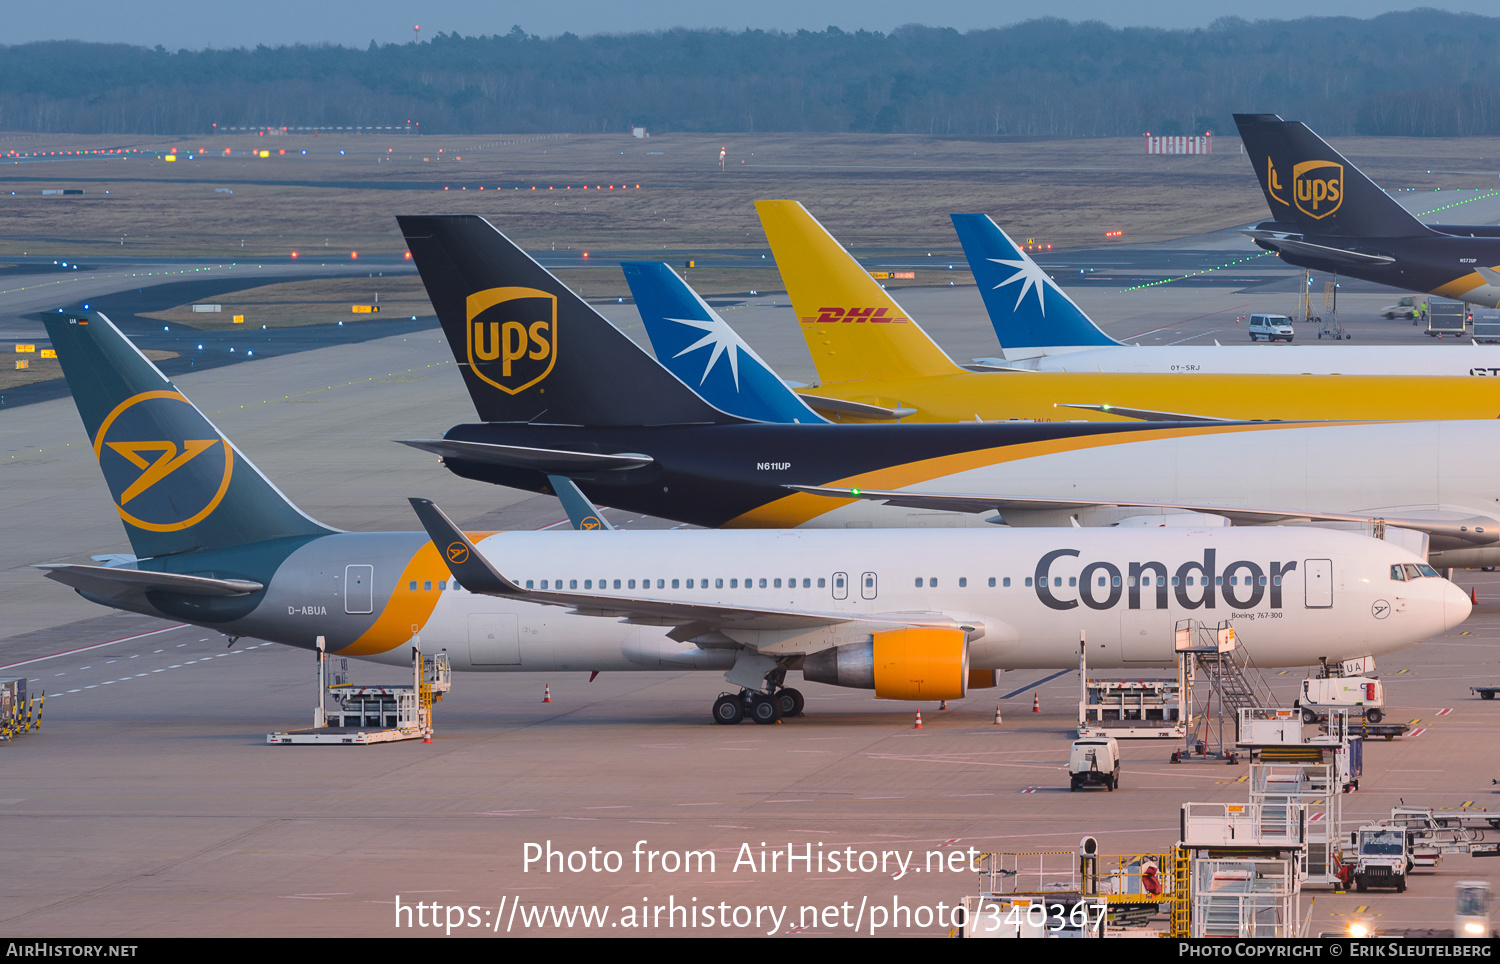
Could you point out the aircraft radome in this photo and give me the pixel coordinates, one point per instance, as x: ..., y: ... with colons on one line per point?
x: 914, y: 614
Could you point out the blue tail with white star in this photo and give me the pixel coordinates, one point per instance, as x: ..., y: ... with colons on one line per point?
x: 700, y: 348
x: 1026, y: 308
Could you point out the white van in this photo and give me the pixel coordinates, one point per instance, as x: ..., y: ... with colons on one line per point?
x: 1356, y: 693
x: 1094, y: 762
x: 1271, y: 328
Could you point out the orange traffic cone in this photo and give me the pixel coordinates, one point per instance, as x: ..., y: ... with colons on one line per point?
x: 919, y: 721
x: 943, y: 705
x: 998, y: 721
x: 1036, y: 702
x: 427, y: 736
x: 547, y: 693
x: 1474, y: 595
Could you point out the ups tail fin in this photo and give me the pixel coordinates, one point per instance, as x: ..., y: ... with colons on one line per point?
x: 530, y: 349
x: 700, y: 348
x: 177, y: 482
x: 1312, y: 188
x: 853, y: 328
x: 1026, y: 308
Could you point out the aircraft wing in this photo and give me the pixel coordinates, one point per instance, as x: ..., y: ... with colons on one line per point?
x: 476, y: 574
x: 1454, y: 528
x: 112, y: 583
x: 551, y: 461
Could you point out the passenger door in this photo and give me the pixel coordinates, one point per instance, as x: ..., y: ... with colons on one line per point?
x: 1318, y: 574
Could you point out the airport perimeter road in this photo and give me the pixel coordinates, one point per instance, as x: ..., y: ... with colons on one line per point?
x: 148, y: 803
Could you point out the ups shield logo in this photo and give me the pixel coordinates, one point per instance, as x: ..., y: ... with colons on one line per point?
x: 512, y: 336
x: 1318, y: 187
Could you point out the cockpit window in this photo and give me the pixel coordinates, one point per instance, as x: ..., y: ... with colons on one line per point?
x: 1397, y: 573
x: 1426, y: 570
x: 1412, y: 572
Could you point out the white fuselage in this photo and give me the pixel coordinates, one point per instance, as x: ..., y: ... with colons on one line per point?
x: 1392, y: 467
x: 1293, y: 595
x: 1331, y: 359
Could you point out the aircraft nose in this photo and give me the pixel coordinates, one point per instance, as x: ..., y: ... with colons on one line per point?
x: 1456, y: 605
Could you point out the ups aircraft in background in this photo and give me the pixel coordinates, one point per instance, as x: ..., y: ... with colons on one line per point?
x: 1326, y: 215
x: 912, y: 615
x: 1041, y: 329
x: 875, y: 361
x: 596, y: 408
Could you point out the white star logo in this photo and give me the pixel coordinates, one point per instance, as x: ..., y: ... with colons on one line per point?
x: 1030, y: 274
x: 721, y: 337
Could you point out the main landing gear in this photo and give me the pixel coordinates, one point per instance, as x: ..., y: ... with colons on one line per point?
x: 731, y: 708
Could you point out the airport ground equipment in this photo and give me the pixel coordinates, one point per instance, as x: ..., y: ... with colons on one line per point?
x: 1405, y: 307
x: 1385, y: 730
x: 1359, y: 694
x: 372, y: 713
x: 1221, y: 680
x: 1381, y: 857
x: 1061, y: 893
x: 1245, y: 869
x: 1131, y: 708
x: 1433, y: 833
x: 1094, y: 762
x: 1486, y: 326
x: 1277, y: 735
x: 1446, y: 317
x: 18, y: 713
x: 1271, y: 328
x: 1485, y: 692
x: 1311, y: 792
x: 1471, y: 909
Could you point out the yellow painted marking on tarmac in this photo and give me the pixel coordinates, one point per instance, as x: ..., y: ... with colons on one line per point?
x: 1415, y: 722
x: 1283, y: 672
x: 1466, y: 805
x: 1399, y: 672
x: 1361, y: 908
x: 1243, y: 778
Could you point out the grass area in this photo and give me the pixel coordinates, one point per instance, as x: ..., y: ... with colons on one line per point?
x: 318, y: 302
x: 578, y: 192
x: 39, y: 369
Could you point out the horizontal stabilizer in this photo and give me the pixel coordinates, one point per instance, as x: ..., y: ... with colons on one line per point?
x: 839, y: 406
x: 553, y: 461
x: 112, y: 583
x: 1340, y: 255
x: 1452, y: 529
x: 1144, y: 414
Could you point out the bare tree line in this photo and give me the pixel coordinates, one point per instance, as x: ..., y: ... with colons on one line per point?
x: 1423, y: 73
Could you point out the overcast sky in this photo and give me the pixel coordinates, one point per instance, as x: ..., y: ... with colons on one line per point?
x: 195, y: 24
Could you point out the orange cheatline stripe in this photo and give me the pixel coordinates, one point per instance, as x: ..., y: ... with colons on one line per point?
x: 799, y: 507
x: 406, y: 612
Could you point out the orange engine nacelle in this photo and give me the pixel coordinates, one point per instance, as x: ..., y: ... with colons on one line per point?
x: 921, y: 664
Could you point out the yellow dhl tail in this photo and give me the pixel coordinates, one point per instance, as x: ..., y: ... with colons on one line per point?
x: 854, y: 329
